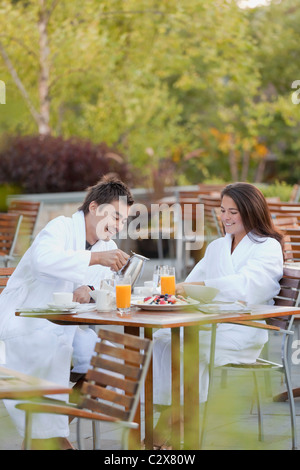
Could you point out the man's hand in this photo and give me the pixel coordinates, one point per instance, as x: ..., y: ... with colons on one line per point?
x: 82, y: 295
x: 113, y: 259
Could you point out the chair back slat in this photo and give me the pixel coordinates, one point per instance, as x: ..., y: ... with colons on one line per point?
x: 100, y: 377
x: 96, y: 391
x: 9, y: 229
x: 30, y: 211
x: 124, y: 339
x: 117, y: 367
x: 120, y: 361
x: 103, y: 408
x: 127, y: 354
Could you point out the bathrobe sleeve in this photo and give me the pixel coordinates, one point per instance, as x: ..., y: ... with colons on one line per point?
x: 198, y: 273
x: 54, y: 254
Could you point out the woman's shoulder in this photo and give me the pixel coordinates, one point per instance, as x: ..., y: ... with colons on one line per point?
x: 221, y: 241
x: 265, y: 243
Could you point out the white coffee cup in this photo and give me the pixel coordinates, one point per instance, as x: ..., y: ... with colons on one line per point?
x: 103, y: 300
x: 62, y: 298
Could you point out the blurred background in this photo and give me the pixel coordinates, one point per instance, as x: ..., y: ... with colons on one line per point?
x: 163, y: 93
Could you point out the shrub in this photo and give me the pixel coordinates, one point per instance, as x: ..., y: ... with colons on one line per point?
x: 52, y: 164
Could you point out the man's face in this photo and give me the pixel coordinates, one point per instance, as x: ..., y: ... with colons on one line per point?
x: 110, y: 219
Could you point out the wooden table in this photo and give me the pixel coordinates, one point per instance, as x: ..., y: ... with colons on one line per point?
x: 190, y: 320
x: 17, y: 386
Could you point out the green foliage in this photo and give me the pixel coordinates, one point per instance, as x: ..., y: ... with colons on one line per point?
x: 51, y: 164
x: 155, y: 78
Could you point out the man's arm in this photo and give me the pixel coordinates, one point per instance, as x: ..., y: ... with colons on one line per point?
x: 113, y: 259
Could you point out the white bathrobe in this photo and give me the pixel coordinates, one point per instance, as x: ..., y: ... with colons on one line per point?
x: 250, y: 274
x: 56, y: 261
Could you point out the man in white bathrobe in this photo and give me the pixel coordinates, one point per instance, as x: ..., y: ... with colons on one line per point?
x: 68, y: 255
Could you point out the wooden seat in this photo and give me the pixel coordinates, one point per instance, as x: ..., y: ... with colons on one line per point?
x: 289, y: 295
x: 9, y: 230
x: 121, y: 361
x: 5, y: 274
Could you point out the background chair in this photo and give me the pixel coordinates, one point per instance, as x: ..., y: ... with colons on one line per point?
x: 30, y: 211
x: 9, y: 230
x: 120, y: 361
x: 289, y: 295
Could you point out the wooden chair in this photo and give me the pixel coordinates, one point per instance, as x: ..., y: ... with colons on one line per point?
x: 210, y: 203
x: 5, y: 274
x: 210, y: 188
x: 120, y: 361
x: 30, y: 211
x: 289, y: 295
x: 295, y: 194
x: 9, y: 230
x: 291, y: 249
x: 217, y: 217
x: 286, y: 222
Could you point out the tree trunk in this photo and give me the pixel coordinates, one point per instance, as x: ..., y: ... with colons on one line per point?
x: 233, y: 161
x: 43, y: 124
x: 245, y: 167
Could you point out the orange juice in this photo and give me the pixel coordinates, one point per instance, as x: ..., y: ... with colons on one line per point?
x: 123, y: 295
x: 167, y: 284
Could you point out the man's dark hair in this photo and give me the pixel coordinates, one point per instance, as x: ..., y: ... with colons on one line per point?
x: 106, y: 191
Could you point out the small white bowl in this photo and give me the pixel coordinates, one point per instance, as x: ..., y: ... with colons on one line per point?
x: 203, y: 294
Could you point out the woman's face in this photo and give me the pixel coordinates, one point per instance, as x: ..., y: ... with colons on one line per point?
x: 231, y: 218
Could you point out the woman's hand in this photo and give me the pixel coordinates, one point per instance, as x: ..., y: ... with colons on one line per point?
x: 180, y: 287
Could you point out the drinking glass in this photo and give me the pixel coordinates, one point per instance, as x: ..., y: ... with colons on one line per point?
x: 167, y: 280
x: 123, y: 294
x: 156, y: 278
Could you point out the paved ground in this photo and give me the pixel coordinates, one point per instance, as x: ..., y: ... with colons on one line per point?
x: 231, y: 424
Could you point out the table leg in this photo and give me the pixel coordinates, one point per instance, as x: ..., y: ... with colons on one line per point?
x: 191, y: 387
x: 149, y: 400
x: 134, y: 434
x: 175, y: 361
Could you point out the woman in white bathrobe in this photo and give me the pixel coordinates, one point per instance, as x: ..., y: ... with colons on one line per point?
x: 68, y: 255
x: 245, y: 265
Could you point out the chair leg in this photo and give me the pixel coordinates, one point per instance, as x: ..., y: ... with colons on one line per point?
x: 211, y: 372
x: 125, y: 439
x: 290, y: 397
x: 28, y: 426
x: 258, y: 402
x: 96, y: 435
x: 79, y: 437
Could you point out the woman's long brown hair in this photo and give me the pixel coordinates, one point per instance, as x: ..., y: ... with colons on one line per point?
x: 254, y: 210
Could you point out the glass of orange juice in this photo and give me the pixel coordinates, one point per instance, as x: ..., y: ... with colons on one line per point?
x: 123, y: 294
x: 167, y: 280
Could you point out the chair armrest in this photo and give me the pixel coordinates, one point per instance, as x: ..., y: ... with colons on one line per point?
x: 70, y: 410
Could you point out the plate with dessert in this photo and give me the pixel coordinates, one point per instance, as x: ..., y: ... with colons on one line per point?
x: 165, y: 302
